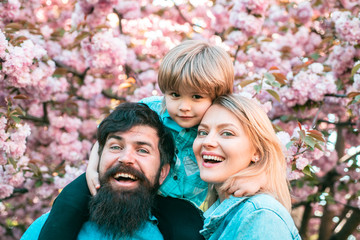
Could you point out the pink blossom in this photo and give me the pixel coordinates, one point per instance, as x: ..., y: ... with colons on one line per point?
x: 220, y: 19
x: 105, y: 50
x: 10, y: 10
x: 88, y: 128
x: 3, y: 44
x: 92, y: 86
x: 293, y: 175
x: 5, y: 190
x: 236, y: 38
x: 278, y: 14
x: 347, y: 26
x: 140, y: 93
x: 147, y: 77
x: 255, y: 6
x: 301, y: 163
x: 129, y: 9
x: 302, y: 12
x: 250, y: 24
x: 348, y: 4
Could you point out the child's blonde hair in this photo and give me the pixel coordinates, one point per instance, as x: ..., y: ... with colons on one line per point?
x: 261, y: 133
x: 199, y: 66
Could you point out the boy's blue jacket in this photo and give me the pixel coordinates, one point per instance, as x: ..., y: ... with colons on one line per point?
x: 258, y: 217
x: 184, y: 179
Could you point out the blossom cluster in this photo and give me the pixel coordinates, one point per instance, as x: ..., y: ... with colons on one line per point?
x: 65, y: 64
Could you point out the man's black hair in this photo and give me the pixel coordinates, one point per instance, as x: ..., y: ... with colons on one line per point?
x: 128, y: 115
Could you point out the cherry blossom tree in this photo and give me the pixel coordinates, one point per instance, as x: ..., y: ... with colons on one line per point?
x: 64, y: 64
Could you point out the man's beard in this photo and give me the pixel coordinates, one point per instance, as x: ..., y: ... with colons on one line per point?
x: 122, y: 212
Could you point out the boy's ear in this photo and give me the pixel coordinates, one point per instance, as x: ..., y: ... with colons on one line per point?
x: 164, y: 172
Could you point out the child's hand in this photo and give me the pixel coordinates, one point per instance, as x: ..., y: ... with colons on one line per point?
x: 92, y: 175
x: 247, y: 186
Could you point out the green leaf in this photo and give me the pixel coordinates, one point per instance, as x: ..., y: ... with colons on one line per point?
x: 257, y: 88
x: 289, y: 144
x: 269, y: 77
x: 357, y: 98
x: 310, y: 141
x: 38, y: 183
x: 274, y: 94
x: 302, y: 135
x: 12, y: 162
x: 16, y: 119
x: 35, y: 169
x: 244, y: 83
x: 307, y: 171
x: 315, y: 56
x: 355, y: 69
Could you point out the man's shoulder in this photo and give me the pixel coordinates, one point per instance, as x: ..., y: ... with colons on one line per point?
x: 33, y: 231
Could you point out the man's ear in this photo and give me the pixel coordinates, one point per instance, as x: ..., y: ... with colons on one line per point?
x: 164, y: 172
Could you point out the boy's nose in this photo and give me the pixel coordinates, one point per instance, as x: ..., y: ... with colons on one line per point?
x: 185, y: 106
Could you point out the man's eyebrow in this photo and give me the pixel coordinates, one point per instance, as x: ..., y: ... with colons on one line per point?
x: 115, y: 136
x: 144, y: 143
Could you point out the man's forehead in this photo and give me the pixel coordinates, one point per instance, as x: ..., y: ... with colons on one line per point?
x: 137, y: 132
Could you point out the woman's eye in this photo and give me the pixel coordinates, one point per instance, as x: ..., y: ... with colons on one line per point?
x: 227, y: 134
x: 201, y: 133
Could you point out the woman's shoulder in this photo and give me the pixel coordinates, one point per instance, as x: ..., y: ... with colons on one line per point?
x: 267, y: 202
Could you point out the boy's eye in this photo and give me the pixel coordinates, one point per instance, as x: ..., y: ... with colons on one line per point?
x: 174, y: 94
x: 197, y: 96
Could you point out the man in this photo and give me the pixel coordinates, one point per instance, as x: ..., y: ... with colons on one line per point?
x: 135, y: 155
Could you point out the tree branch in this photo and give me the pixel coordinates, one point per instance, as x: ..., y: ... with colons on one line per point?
x: 72, y: 70
x: 112, y: 96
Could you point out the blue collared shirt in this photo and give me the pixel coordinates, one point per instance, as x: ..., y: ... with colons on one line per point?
x: 90, y: 231
x: 257, y: 217
x: 184, y: 179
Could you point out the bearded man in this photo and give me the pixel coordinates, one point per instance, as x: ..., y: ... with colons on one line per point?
x: 135, y: 152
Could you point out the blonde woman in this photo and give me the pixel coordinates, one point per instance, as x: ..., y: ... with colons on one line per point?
x: 236, y: 139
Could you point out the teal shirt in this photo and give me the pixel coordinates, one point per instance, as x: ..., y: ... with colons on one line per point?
x: 90, y: 231
x: 184, y: 179
x: 260, y: 217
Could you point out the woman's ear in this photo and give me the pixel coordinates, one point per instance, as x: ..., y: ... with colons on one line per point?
x: 255, y: 158
x: 164, y: 172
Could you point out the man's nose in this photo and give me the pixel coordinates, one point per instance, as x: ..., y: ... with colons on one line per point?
x: 128, y: 157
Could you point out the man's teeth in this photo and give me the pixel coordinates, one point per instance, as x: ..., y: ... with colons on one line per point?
x: 213, y: 158
x: 125, y: 175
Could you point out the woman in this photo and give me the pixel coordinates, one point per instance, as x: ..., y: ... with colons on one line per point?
x: 240, y: 143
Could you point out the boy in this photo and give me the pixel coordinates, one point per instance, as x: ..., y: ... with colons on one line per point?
x: 190, y: 76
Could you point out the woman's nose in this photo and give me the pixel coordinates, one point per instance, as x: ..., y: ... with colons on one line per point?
x: 210, y: 141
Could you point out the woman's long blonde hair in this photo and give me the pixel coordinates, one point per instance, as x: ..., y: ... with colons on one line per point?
x: 262, y: 135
